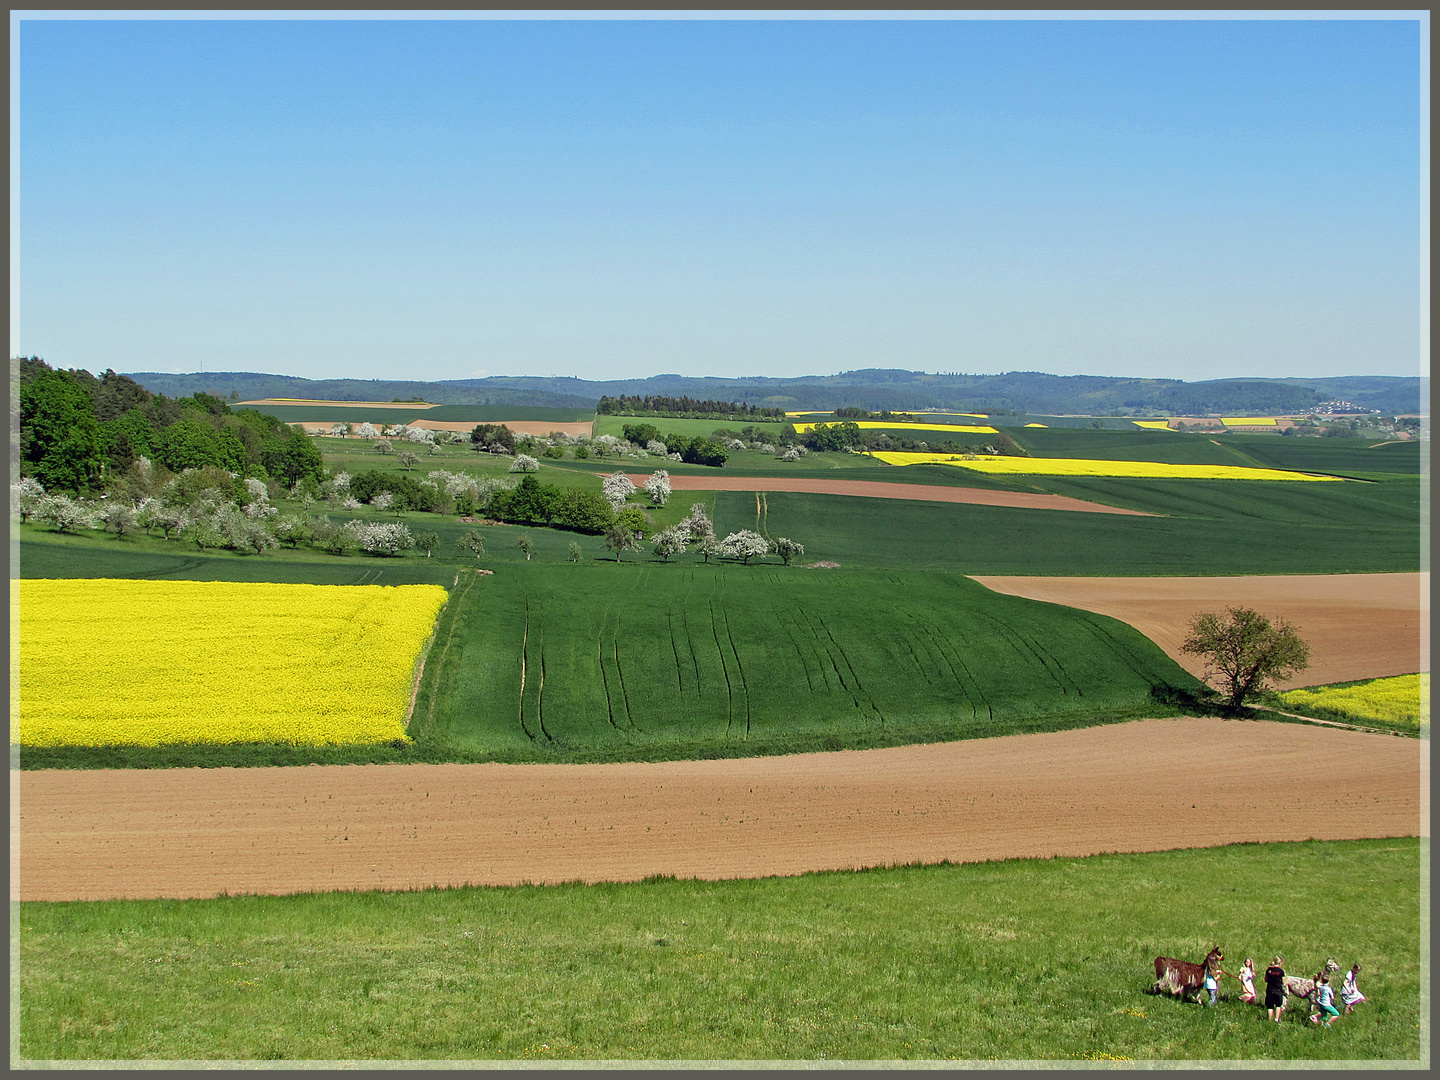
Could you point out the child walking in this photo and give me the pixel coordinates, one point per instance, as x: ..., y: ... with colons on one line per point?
x: 1350, y: 994
x: 1247, y: 981
x: 1324, y: 1001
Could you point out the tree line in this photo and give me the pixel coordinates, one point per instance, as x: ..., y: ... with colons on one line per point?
x: 681, y: 408
x: 85, y: 435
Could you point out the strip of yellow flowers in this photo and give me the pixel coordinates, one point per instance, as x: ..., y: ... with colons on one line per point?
x: 1031, y: 466
x: 105, y: 662
x: 1401, y: 699
x: 971, y: 429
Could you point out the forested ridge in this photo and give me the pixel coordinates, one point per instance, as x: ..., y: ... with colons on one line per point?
x: 80, y: 433
x: 871, y: 388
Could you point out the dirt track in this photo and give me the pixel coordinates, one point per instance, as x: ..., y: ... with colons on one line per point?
x: 1359, y: 626
x: 198, y: 832
x: 887, y: 490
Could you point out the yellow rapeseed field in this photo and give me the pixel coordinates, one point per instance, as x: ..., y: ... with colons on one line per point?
x: 1155, y: 425
x: 971, y: 429
x: 1248, y: 421
x: 1402, y: 699
x: 1031, y: 466
x: 105, y: 662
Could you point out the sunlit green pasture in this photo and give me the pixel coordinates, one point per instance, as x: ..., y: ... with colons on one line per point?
x: 1020, y: 960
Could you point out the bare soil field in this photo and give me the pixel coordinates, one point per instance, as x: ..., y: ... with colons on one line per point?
x: 886, y: 490
x: 1359, y: 626
x: 82, y: 835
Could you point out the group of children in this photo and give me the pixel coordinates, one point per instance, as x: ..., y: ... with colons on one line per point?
x: 1322, y: 997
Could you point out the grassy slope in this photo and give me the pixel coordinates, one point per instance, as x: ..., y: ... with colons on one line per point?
x: 1215, y: 528
x: 678, y: 660
x: 1025, y: 959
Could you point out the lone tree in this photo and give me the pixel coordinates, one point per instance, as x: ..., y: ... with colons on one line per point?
x: 621, y: 538
x: 525, y: 544
x: 1245, y: 652
x: 471, y: 543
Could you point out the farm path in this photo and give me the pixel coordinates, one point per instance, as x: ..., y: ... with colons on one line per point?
x: 878, y: 489
x: 1359, y: 626
x: 80, y: 835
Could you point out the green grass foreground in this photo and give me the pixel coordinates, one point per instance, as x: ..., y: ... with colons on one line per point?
x: 1023, y: 959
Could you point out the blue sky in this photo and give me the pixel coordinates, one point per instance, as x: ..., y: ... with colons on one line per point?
x: 621, y: 198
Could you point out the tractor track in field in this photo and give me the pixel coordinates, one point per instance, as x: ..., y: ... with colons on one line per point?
x: 142, y: 833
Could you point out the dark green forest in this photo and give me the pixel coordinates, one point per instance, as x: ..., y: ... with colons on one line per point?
x: 79, y: 433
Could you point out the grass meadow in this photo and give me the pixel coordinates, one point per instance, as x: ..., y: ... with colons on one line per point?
x: 1023, y: 959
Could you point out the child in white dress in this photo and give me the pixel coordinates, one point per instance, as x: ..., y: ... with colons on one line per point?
x: 1350, y: 994
x: 1247, y: 980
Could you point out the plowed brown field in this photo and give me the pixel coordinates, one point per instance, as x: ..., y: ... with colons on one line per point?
x: 1359, y: 626
x: 879, y: 489
x: 1125, y: 787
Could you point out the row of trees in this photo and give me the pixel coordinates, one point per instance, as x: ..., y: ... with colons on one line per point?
x: 684, y: 408
x: 848, y: 435
x: 79, y: 434
x: 697, y: 529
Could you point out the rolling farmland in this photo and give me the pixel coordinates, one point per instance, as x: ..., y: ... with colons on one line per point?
x: 582, y: 718
x: 730, y: 659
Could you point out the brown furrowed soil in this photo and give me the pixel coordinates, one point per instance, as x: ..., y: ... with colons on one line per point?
x: 1359, y: 626
x: 887, y: 490
x: 1125, y: 787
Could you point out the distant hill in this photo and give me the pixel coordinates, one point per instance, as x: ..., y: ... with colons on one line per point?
x: 870, y: 388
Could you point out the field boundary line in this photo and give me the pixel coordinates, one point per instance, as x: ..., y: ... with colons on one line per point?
x: 454, y: 602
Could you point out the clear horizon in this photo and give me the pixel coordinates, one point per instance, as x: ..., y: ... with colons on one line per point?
x: 436, y: 199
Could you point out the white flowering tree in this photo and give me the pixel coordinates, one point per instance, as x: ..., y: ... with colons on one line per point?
x: 524, y: 463
x: 339, y: 430
x: 367, y: 431
x: 745, y: 545
x: 657, y: 486
x: 617, y: 487
x: 407, y: 460
x: 655, y: 446
x: 385, y: 537
x: 25, y: 497
x: 118, y: 517
x: 383, y: 446
x: 293, y: 529
x: 710, y: 546
x: 698, y: 523
x: 609, y: 444
x: 671, y: 541
x: 65, y: 513
x: 788, y: 549
x: 382, y: 500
